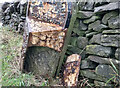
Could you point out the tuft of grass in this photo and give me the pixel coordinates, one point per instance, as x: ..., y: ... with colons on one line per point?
x: 10, y: 49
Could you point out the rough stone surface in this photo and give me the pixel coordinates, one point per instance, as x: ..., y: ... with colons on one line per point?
x: 82, y: 42
x: 105, y: 71
x: 42, y: 61
x: 107, y: 16
x: 97, y: 26
x: 87, y: 64
x: 102, y: 60
x: 91, y: 74
x: 96, y: 39
x: 110, y: 40
x: 84, y: 14
x: 91, y: 34
x: 108, y: 7
x: 114, y: 22
x: 92, y: 19
x: 83, y: 26
x: 114, y: 31
x: 117, y: 54
x: 98, y: 50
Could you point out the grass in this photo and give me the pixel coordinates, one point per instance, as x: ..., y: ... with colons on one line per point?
x: 10, y: 49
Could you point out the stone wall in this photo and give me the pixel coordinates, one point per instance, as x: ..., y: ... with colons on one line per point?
x: 13, y: 14
x: 95, y: 37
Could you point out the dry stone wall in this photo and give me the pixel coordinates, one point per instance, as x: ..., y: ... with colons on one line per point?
x: 95, y: 36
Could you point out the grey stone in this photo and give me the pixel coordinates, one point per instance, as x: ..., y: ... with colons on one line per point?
x: 74, y: 49
x: 83, y: 26
x: 102, y: 60
x: 98, y: 50
x: 7, y: 17
x: 91, y: 34
x: 114, y: 22
x: 82, y: 42
x: 92, y: 75
x: 42, y: 61
x: 89, y: 6
x: 73, y: 41
x: 99, y: 83
x: 105, y: 71
x: 117, y: 54
x: 87, y: 64
x: 96, y: 39
x: 84, y: 14
x: 92, y: 19
x: 110, y: 40
x: 108, y: 7
x: 114, y: 31
x: 79, y: 32
x: 97, y: 26
x: 108, y: 16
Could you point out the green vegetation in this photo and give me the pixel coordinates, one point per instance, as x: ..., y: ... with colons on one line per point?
x: 10, y: 49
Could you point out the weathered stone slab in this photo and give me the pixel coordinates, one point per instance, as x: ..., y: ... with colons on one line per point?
x: 96, y: 39
x: 91, y: 34
x: 114, y: 22
x: 98, y: 50
x: 114, y: 31
x: 84, y: 14
x: 91, y: 74
x: 108, y: 16
x: 82, y: 42
x: 105, y: 71
x: 102, y: 60
x: 97, y: 26
x: 90, y: 20
x: 108, y: 7
x: 87, y: 64
x: 110, y: 40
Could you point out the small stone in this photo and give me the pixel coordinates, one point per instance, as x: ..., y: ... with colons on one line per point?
x: 98, y: 50
x: 84, y: 14
x: 117, y: 54
x: 91, y: 34
x: 91, y: 74
x: 96, y: 39
x: 7, y: 17
x: 87, y: 64
x: 108, y: 7
x: 102, y: 60
x: 114, y: 31
x: 92, y: 19
x: 82, y: 42
x: 108, y: 16
x: 83, y: 26
x: 114, y: 22
x: 97, y: 26
x: 110, y: 40
x: 89, y: 6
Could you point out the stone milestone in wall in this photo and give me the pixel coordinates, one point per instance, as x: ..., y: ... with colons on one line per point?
x: 46, y: 27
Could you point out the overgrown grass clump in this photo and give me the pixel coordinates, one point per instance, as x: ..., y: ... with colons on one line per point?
x: 10, y: 49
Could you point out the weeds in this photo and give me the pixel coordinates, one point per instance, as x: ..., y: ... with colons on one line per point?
x: 10, y: 49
